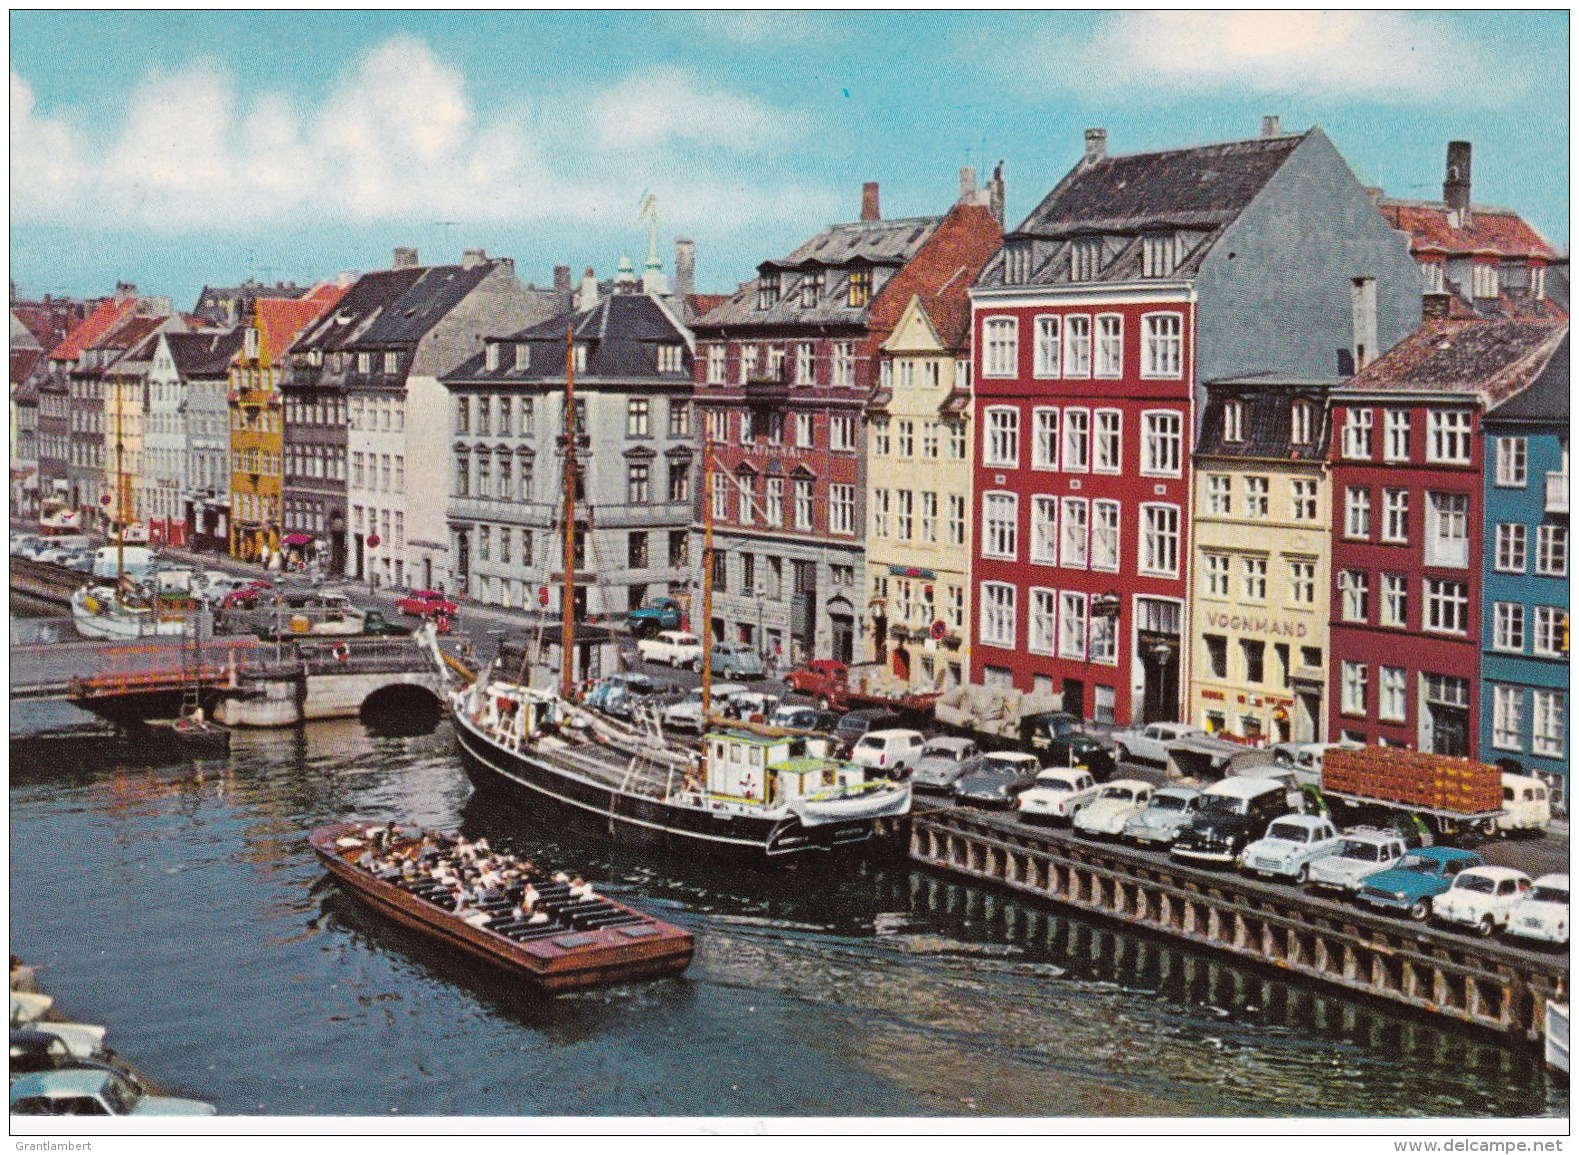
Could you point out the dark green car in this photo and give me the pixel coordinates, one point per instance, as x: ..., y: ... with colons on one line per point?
x: 1057, y: 736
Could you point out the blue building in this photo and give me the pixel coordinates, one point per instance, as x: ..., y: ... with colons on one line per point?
x: 1524, y: 629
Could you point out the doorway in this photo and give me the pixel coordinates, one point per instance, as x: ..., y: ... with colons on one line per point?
x: 1159, y: 658
x: 842, y: 629
x: 1074, y: 698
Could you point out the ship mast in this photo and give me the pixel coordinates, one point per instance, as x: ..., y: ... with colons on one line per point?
x: 568, y: 623
x: 706, y: 630
x: 120, y: 495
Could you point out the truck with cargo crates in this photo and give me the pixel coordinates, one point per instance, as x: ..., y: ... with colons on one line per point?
x: 1453, y: 797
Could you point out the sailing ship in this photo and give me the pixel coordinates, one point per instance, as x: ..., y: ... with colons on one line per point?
x: 751, y: 792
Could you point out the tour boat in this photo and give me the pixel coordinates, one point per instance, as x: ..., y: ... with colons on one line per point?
x: 586, y: 942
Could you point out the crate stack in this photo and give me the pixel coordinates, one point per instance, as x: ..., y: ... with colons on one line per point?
x: 1410, y: 778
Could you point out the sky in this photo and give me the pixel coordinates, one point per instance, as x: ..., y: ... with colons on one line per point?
x: 176, y: 149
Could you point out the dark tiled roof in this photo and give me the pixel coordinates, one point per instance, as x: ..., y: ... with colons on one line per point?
x: 427, y: 302
x: 23, y: 362
x: 621, y: 333
x: 1267, y: 404
x: 342, y: 326
x: 1545, y: 399
x: 211, y: 301
x: 1491, y: 360
x: 204, y: 354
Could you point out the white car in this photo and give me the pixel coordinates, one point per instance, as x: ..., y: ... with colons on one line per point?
x: 1169, y: 809
x: 1543, y: 912
x: 941, y: 762
x: 686, y: 714
x: 1361, y: 851
x: 1150, y: 743
x: 1057, y: 794
x: 1526, y: 804
x: 1482, y: 897
x: 890, y: 752
x: 1116, y: 803
x: 1290, y: 845
x: 675, y: 647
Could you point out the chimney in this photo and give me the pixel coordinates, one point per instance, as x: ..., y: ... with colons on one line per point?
x: 405, y: 258
x: 589, y: 291
x: 995, y: 194
x: 563, y: 294
x: 1363, y: 298
x: 345, y: 278
x: 1271, y: 126
x: 684, y: 267
x: 471, y: 258
x: 1096, y: 145
x: 967, y: 185
x: 869, y: 202
x: 1435, y: 306
x: 1455, y: 189
x: 125, y: 290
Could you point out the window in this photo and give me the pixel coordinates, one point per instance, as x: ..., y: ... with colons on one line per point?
x: 1252, y: 578
x: 1548, y: 639
x: 1110, y: 346
x: 1299, y: 423
x: 1077, y: 440
x: 1394, y: 686
x: 1002, y: 347
x: 844, y: 364
x: 811, y: 286
x: 1044, y: 622
x: 881, y: 445
x: 1234, y: 421
x: 1216, y: 575
x: 1302, y: 583
x: 679, y: 480
x: 1508, y: 626
x: 805, y: 372
x: 1109, y: 441
x: 1163, y: 444
x: 997, y: 614
x: 1000, y: 517
x: 1357, y: 512
x: 929, y: 518
x: 841, y: 432
x: 720, y: 496
x: 1077, y: 346
x: 860, y: 288
x: 1397, y: 447
x: 1547, y: 736
x: 957, y: 442
x: 1159, y: 253
x: 1449, y: 442
x: 636, y: 415
x: 1160, y: 540
x: 1551, y: 550
x: 1076, y: 533
x: 1395, y: 515
x: 1072, y: 626
x: 1355, y: 676
x: 775, y: 363
x: 1003, y: 437
x: 768, y: 291
x: 1354, y: 595
x: 1446, y: 606
x: 905, y: 522
x: 880, y: 506
x: 841, y: 509
x: 1104, y: 535
x: 746, y: 498
x: 1257, y: 491
x: 1511, y: 542
x: 929, y: 440
x: 1395, y: 600
x: 1162, y: 349
x: 1085, y: 259
x: 1507, y: 717
x: 1254, y: 654
x: 1044, y: 529
x: 1447, y: 541
x: 1511, y: 469
x: 803, y: 503
x: 1048, y: 343
x: 748, y: 363
x: 906, y: 440
x: 773, y: 502
x: 1483, y: 279
x: 1431, y: 276
x: 1219, y: 494
x: 1044, y: 449
x: 1357, y: 434
x: 956, y: 519
x: 1302, y: 499
x: 1216, y: 655
x: 637, y: 490
x: 635, y: 551
x: 805, y: 431
x: 462, y: 414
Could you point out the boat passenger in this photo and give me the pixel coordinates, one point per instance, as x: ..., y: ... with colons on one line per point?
x: 480, y: 918
x: 561, y: 876
x: 529, y: 898
x: 580, y: 888
x: 366, y: 861
x: 537, y: 919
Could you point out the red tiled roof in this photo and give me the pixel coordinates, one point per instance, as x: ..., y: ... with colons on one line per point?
x: 281, y: 318
x: 1492, y: 359
x: 706, y: 302
x: 89, y: 332
x: 1490, y: 231
x: 942, y: 273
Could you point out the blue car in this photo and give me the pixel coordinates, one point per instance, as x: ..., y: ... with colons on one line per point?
x: 1418, y: 878
x: 93, y: 1092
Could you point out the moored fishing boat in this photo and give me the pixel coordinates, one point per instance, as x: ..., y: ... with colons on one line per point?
x: 584, y: 940
x: 100, y: 612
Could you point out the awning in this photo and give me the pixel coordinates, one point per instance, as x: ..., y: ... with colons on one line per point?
x: 298, y: 539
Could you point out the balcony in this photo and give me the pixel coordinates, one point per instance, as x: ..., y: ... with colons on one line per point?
x: 764, y: 387
x: 1557, y: 492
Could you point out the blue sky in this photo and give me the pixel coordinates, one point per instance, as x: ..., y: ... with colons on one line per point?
x: 178, y: 148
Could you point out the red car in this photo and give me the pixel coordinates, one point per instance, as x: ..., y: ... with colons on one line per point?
x: 823, y: 678
x: 425, y: 604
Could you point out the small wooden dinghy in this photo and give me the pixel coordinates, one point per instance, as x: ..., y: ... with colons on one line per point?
x: 584, y: 942
x: 195, y: 735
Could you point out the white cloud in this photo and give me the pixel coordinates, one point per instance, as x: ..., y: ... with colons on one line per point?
x: 755, y: 27
x: 396, y: 138
x: 1393, y: 57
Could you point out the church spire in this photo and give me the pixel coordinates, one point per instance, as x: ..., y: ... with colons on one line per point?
x: 653, y: 281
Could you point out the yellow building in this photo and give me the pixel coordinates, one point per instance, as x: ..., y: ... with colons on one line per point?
x: 257, y: 443
x: 1261, y: 599
x: 918, y: 483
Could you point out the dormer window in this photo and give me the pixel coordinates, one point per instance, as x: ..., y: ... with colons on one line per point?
x: 581, y: 358
x: 669, y: 359
x: 860, y: 288
x: 523, y: 357
x: 1431, y: 276
x: 1159, y: 254
x: 1234, y: 421
x: 1017, y: 263
x: 391, y: 363
x: 768, y: 291
x: 250, y: 345
x: 1538, y: 282
x: 811, y: 285
x: 1299, y: 423
x: 1085, y: 259
x: 364, y: 362
x: 1483, y: 281
x: 490, y: 357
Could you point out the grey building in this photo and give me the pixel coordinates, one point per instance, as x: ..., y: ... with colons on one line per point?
x: 634, y: 506
x: 187, y: 438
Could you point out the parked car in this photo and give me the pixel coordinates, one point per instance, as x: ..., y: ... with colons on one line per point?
x: 750, y: 705
x: 1063, y: 743
x: 653, y: 615
x: 1150, y: 743
x: 1419, y: 877
x: 857, y: 722
x: 33, y: 1050
x: 93, y: 1092
x: 1542, y: 914
x: 997, y: 779
x: 941, y: 762
x: 1526, y: 805
x: 1056, y: 794
x: 22, y: 542
x: 1362, y: 851
x: 675, y: 647
x: 737, y: 660
x: 1169, y: 808
x: 1115, y: 804
x: 426, y: 604
x: 1305, y: 758
x: 1291, y: 845
x: 686, y: 714
x: 804, y: 718
x: 1232, y: 813
x: 822, y: 678
x: 1481, y: 897
x: 618, y: 694
x: 893, y: 753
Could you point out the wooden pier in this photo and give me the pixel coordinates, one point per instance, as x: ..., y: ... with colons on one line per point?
x: 1483, y: 982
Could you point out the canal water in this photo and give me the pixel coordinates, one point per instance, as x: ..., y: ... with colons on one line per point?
x: 179, y: 904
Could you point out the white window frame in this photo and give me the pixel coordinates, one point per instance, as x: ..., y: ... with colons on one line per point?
x: 1258, y: 497
x: 1044, y: 437
x: 1001, y: 437
x: 1216, y: 571
x: 1156, y: 437
x: 1219, y: 495
x: 1395, y: 516
x: 1000, y: 346
x: 1447, y: 512
x: 996, y: 618
x: 1049, y: 347
x: 1507, y: 627
x: 1252, y: 579
x: 1162, y: 351
x: 1548, y: 712
x: 1000, y: 524
x: 1234, y: 421
x: 1512, y: 551
x: 1512, y: 462
x: 1112, y: 438
x: 1106, y: 523
x: 1356, y: 679
x: 1354, y: 596
x: 841, y: 433
x: 1395, y: 445
x: 1507, y: 717
x: 1546, y: 634
x: 1301, y: 582
x: 1300, y: 423
x: 1077, y: 346
x: 1303, y: 499
x: 1148, y: 562
x: 1357, y: 513
x: 1044, y: 529
x: 841, y: 509
x: 1077, y: 435
x: 1072, y: 625
x: 1043, y: 634
x: 1395, y: 600
x: 1551, y: 550
x: 1448, y: 441
x: 1074, y: 540
x: 1448, y: 602
x: 1392, y: 694
x: 1107, y: 356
